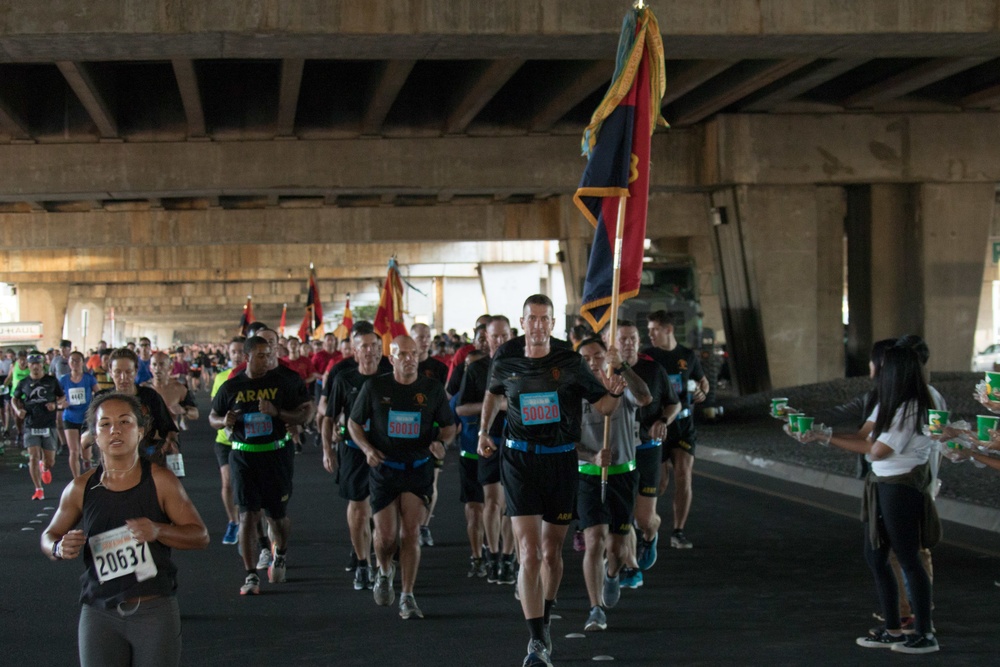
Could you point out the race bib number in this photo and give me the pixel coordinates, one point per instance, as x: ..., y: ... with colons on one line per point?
x: 677, y: 382
x: 116, y: 554
x: 257, y: 424
x: 176, y: 463
x: 404, y: 424
x: 540, y: 408
x: 4, y: 390
x: 43, y: 432
x: 77, y: 395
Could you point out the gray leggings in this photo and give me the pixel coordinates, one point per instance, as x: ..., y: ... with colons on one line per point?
x: 150, y: 636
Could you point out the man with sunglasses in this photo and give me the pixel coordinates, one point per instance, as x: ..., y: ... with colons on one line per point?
x: 36, y: 399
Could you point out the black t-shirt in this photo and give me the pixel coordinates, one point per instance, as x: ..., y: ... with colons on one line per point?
x: 473, y: 390
x: 544, y: 396
x: 282, y: 386
x: 350, y: 363
x: 402, y: 418
x: 515, y: 347
x: 660, y: 388
x: 434, y: 369
x: 681, y: 365
x: 344, y: 392
x: 34, y: 395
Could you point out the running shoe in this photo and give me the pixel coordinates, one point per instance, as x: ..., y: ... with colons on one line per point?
x: 382, y: 591
x: 612, y: 590
x: 631, y: 578
x: 508, y: 573
x: 362, y: 578
x: 646, y: 555
x: 46, y: 473
x: 547, y: 637
x: 579, y: 541
x: 352, y: 562
x: 425, y: 537
x: 493, y: 571
x: 997, y: 583
x: 251, y: 586
x: 597, y: 620
x: 276, y: 572
x: 477, y: 568
x: 38, y: 495
x: 537, y: 656
x: 264, y: 560
x: 679, y: 541
x: 879, y: 638
x: 232, y: 533
x: 917, y: 644
x: 408, y: 607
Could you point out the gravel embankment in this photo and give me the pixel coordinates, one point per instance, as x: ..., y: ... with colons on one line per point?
x: 746, y: 428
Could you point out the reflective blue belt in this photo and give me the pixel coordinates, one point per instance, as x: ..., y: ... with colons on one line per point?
x: 649, y: 444
x: 397, y: 465
x: 525, y: 446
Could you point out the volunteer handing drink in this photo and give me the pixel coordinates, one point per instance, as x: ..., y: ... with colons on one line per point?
x: 133, y: 513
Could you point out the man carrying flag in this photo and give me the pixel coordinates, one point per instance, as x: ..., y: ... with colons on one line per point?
x: 346, y: 322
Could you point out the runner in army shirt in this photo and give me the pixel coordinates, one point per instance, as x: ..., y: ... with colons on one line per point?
x: 255, y: 407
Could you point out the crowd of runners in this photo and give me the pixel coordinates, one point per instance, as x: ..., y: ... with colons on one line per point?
x: 550, y: 433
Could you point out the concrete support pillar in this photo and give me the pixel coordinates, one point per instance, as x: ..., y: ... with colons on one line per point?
x: 896, y: 270
x: 794, y: 263
x: 85, y: 323
x: 45, y: 303
x: 955, y: 221
x: 163, y: 338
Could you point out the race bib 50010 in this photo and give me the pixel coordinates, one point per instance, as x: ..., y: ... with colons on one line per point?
x: 540, y: 408
x: 404, y: 424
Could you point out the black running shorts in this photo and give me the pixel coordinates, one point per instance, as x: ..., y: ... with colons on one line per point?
x: 387, y: 484
x: 540, y: 484
x: 471, y: 491
x: 352, y: 474
x: 263, y: 480
x: 619, y: 505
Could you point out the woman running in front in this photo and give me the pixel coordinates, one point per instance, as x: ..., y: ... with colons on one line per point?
x: 133, y: 513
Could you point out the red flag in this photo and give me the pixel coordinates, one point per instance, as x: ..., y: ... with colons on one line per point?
x: 247, y: 319
x: 346, y: 322
x: 389, y: 318
x: 617, y: 144
x: 312, y: 321
x: 284, y: 313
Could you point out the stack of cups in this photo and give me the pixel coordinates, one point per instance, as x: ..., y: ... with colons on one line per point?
x: 936, y: 421
x: 793, y: 423
x: 778, y: 406
x: 993, y: 386
x: 986, y: 423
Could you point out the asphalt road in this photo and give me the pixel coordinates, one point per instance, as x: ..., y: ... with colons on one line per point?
x: 776, y: 577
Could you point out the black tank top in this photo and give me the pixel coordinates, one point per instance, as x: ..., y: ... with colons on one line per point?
x: 105, y: 510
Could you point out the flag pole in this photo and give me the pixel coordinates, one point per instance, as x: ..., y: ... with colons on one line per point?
x: 613, y: 331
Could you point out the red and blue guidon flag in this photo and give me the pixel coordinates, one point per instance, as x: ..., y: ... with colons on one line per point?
x: 617, y: 143
x: 247, y: 318
x: 312, y: 321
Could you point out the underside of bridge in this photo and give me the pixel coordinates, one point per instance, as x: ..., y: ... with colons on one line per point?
x: 167, y: 159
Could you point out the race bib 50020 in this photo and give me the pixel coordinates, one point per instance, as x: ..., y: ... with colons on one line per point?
x: 404, y: 424
x: 540, y: 408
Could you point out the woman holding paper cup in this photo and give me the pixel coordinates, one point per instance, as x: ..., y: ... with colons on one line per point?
x: 133, y: 513
x: 899, y: 510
